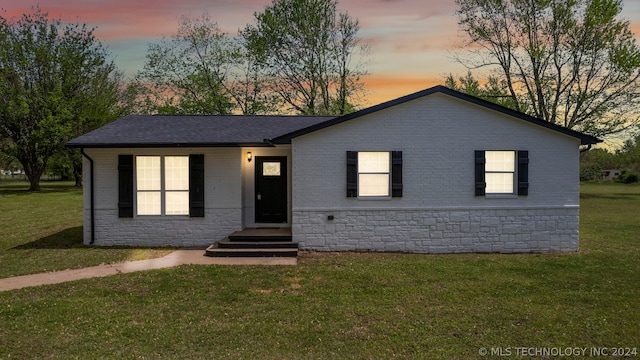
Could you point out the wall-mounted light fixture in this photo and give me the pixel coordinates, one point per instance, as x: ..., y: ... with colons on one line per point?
x: 249, y: 156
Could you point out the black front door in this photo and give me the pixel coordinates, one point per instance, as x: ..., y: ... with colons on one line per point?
x: 271, y: 189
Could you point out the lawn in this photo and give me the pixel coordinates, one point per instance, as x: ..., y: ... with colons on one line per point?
x: 42, y: 231
x: 344, y: 305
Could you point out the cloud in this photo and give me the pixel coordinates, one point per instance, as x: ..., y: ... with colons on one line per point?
x: 118, y: 19
x: 410, y: 40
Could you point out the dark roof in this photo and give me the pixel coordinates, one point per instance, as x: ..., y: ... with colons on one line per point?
x: 584, y: 138
x: 193, y: 130
x: 257, y: 130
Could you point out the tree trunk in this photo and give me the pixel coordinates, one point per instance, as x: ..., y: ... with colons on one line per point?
x: 34, y: 176
x: 34, y: 172
x: 77, y: 174
x: 34, y: 184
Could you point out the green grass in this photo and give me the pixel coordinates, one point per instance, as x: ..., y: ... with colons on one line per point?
x: 351, y: 305
x: 42, y: 231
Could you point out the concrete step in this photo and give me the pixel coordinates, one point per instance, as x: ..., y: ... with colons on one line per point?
x: 216, y: 251
x: 259, y: 238
x: 262, y: 244
x: 262, y: 234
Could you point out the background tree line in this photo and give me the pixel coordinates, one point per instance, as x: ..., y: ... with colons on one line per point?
x: 57, y: 81
x: 300, y: 57
x: 573, y: 63
x: 569, y: 62
x: 626, y: 159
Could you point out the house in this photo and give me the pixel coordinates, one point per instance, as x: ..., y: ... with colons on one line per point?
x: 436, y: 171
x: 610, y: 174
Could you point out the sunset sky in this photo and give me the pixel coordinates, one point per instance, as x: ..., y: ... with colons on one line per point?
x: 411, y: 40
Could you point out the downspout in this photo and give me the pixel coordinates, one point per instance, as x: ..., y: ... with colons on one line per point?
x: 585, y: 149
x: 92, y: 197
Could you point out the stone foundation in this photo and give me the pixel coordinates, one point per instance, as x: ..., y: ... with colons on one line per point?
x: 439, y: 231
x: 163, y: 230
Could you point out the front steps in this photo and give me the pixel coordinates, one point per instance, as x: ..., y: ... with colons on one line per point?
x: 258, y: 242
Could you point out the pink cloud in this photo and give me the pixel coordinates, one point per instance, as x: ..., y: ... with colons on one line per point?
x: 410, y: 40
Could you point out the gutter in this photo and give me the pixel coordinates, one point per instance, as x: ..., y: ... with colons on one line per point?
x: 92, y: 196
x: 586, y: 149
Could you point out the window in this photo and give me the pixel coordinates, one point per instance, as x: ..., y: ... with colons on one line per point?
x: 502, y: 172
x: 499, y: 172
x: 271, y: 168
x: 374, y: 174
x: 162, y: 185
x: 155, y: 192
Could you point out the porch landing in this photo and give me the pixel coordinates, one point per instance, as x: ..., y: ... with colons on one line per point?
x: 256, y: 242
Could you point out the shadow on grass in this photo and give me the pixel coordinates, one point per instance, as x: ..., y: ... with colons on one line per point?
x: 65, y: 239
x: 46, y: 187
x: 614, y: 196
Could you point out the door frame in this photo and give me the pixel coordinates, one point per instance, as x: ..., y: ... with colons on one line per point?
x: 282, y: 199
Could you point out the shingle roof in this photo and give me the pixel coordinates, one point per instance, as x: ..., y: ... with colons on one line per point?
x: 584, y: 138
x: 257, y: 130
x: 193, y: 130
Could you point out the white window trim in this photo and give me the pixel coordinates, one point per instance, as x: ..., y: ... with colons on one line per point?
x: 163, y: 191
x: 388, y: 173
x: 514, y: 179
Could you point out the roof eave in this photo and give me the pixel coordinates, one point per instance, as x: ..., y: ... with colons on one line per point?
x: 585, y: 139
x: 163, y: 145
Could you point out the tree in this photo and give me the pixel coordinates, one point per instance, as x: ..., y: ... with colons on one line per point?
x: 569, y: 62
x: 249, y: 86
x: 54, y: 81
x: 625, y: 158
x: 629, y: 154
x: 99, y: 96
x: 307, y: 49
x: 188, y: 73
x: 7, y: 162
x: 493, y: 90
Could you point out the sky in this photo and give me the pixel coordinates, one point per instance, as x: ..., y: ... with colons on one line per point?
x: 412, y: 41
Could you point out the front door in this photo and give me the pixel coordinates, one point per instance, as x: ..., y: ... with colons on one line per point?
x: 271, y: 189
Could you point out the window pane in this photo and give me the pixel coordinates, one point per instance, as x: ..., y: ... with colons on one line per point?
x: 271, y: 168
x: 500, y: 161
x: 149, y: 203
x: 177, y: 203
x: 373, y: 162
x: 373, y: 184
x: 176, y: 172
x: 499, y: 183
x: 148, y: 172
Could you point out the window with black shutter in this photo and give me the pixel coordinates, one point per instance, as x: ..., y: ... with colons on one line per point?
x: 374, y: 174
x: 164, y: 185
x: 501, y: 172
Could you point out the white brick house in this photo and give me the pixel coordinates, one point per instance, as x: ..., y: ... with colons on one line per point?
x: 436, y: 171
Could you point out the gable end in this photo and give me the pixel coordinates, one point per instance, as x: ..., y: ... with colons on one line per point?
x: 584, y: 138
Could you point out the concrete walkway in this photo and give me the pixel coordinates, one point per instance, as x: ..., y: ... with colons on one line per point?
x: 176, y: 258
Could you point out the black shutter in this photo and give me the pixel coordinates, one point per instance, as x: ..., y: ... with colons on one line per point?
x: 396, y: 174
x: 480, y: 181
x: 196, y: 185
x: 523, y: 173
x: 352, y: 174
x: 125, y: 186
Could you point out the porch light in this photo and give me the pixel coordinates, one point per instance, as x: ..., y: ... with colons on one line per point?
x: 249, y: 156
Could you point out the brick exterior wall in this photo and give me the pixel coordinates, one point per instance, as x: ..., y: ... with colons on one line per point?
x: 439, y: 211
x: 223, y: 202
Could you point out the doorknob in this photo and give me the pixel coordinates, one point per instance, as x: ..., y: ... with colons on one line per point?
x: 259, y: 196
